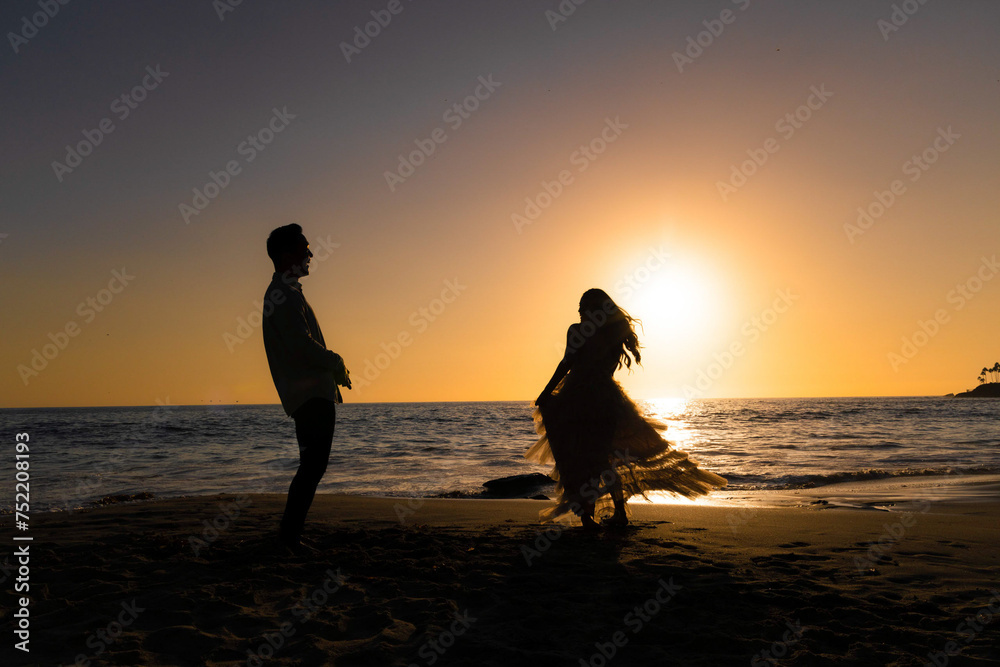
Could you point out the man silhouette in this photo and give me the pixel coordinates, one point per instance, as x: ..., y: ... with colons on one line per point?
x: 305, y: 373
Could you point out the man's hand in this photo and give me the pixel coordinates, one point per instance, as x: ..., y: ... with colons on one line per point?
x: 341, y: 375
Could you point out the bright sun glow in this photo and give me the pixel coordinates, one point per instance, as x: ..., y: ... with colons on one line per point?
x: 678, y: 304
x: 683, y: 302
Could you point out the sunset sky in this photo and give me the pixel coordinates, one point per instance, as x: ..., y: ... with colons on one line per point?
x: 635, y: 143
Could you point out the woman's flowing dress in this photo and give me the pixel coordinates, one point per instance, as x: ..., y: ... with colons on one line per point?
x: 597, y: 437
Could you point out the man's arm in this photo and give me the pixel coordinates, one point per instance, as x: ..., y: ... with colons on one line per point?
x: 289, y: 321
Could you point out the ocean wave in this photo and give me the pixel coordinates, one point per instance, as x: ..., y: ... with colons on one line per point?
x: 456, y: 494
x: 175, y: 427
x: 867, y: 445
x: 794, y: 415
x: 812, y: 481
x: 494, y: 463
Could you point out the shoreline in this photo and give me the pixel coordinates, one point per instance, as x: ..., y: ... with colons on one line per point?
x: 884, y: 493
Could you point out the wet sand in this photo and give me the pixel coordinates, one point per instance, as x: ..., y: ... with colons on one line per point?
x: 480, y: 582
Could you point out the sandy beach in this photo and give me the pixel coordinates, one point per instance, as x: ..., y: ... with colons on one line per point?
x: 197, y: 581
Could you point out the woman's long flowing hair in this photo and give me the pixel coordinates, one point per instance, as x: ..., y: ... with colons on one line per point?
x: 612, y: 320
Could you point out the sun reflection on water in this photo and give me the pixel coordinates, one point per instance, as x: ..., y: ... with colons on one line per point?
x: 675, y: 413
x: 672, y: 412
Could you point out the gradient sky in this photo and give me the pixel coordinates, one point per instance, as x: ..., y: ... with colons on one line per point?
x: 645, y: 219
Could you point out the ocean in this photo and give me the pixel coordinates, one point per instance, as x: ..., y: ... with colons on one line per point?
x: 80, y: 455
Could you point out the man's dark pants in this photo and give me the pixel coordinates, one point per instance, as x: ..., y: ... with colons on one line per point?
x: 314, y: 423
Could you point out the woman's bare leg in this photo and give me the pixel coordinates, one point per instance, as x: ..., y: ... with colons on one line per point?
x: 619, y: 518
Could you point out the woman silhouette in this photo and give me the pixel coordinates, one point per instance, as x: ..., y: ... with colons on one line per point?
x: 600, y: 442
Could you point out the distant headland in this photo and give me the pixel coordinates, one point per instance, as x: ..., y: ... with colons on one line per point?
x: 986, y: 390
x: 989, y: 384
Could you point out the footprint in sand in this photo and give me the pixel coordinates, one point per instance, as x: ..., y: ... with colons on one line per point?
x: 669, y: 544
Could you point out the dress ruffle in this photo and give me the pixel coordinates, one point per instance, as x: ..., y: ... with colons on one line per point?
x: 597, y: 437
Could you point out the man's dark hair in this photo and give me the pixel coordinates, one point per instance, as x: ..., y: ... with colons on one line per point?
x: 283, y: 239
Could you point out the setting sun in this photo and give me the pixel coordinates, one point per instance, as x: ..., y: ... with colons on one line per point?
x: 678, y: 304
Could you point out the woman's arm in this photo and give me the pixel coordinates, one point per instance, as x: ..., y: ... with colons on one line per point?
x: 561, y: 370
x: 564, y: 366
